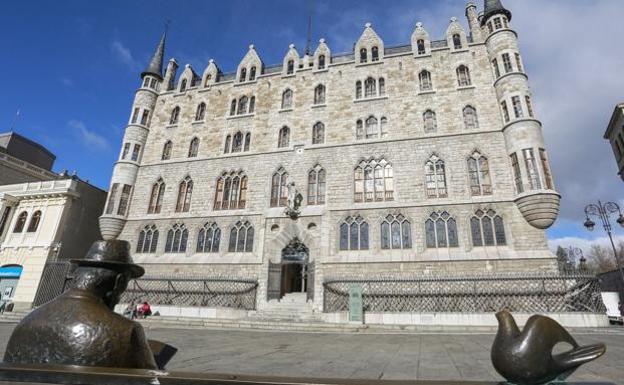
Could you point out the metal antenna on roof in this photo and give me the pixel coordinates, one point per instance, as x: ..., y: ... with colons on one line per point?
x: 309, y: 39
x: 17, y: 114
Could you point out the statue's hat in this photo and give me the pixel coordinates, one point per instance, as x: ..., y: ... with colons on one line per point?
x: 111, y: 254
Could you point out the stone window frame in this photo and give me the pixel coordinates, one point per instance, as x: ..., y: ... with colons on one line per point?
x: 287, y: 106
x: 380, y: 125
x: 479, y: 174
x: 430, y: 121
x: 487, y: 228
x: 193, y: 150
x: 422, y: 81
x: 147, y: 240
x: 177, y: 239
x: 320, y: 98
x: 379, y: 91
x: 175, y: 116
x: 208, y: 238
x: 470, y: 109
x: 279, y: 188
x: 436, y: 181
x: 318, y: 133
x: 387, y: 232
x: 464, y: 79
x: 353, y: 234
x: 230, y: 146
x: 157, y: 194
x: 167, y: 150
x: 200, y: 112
x: 35, y: 220
x: 283, y: 137
x: 20, y: 222
x: 441, y: 230
x: 373, y: 181
x: 317, y: 185
x: 234, y: 242
x: 185, y: 194
x: 232, y: 185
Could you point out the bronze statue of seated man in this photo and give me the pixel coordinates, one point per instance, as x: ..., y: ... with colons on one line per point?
x: 80, y: 327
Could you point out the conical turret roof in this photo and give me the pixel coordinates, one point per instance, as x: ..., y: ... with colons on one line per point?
x: 156, y: 63
x: 493, y: 7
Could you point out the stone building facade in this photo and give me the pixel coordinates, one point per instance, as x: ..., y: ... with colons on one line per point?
x: 424, y: 158
x: 615, y: 135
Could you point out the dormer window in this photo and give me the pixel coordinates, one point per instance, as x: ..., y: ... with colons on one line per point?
x: 243, y: 75
x: 146, y: 82
x: 497, y: 23
x: 153, y: 83
x: 374, y: 54
x: 457, y: 41
x: 420, y: 44
x: 183, y: 85
x: 290, y: 68
x: 490, y: 27
x: 363, y: 55
x: 321, y: 62
x: 252, y: 73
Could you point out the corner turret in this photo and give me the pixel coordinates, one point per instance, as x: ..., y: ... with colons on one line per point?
x: 494, y: 7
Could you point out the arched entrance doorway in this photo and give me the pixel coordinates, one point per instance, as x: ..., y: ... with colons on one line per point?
x: 294, y: 274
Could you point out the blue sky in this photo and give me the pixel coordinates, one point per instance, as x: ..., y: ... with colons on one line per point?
x: 71, y: 67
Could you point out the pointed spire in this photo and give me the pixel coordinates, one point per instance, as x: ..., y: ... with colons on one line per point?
x: 493, y: 7
x: 156, y: 63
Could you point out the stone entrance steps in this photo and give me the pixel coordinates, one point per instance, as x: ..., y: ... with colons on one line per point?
x: 292, y: 307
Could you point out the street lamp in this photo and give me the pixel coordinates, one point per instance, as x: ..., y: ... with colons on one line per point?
x: 604, y: 211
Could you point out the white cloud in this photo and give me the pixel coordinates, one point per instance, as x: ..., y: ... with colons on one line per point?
x: 124, y: 55
x: 583, y: 243
x: 89, y: 138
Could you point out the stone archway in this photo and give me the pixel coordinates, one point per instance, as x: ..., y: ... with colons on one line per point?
x: 294, y: 268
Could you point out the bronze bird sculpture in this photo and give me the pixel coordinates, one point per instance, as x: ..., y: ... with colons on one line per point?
x: 526, y: 358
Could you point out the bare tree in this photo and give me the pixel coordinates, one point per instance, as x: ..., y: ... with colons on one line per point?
x: 601, y: 258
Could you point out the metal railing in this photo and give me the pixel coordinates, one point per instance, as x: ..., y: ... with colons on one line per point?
x: 518, y: 293
x: 234, y: 293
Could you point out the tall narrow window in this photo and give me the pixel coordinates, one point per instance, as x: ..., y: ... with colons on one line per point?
x: 429, y: 121
x: 497, y: 23
x: 183, y: 85
x: 4, y: 219
x: 33, y: 225
x: 316, y: 186
x: 135, y: 115
x: 359, y: 129
x: 515, y: 168
x: 517, y: 106
x: 148, y: 239
x: 252, y: 73
x: 531, y: 167
x: 233, y: 107
x: 435, y: 175
x: 287, y: 97
x: 156, y: 197
x: 228, y: 143
x: 374, y: 181
x: 375, y: 54
x: 241, y: 238
x: 358, y: 89
x: 175, y: 115
x: 237, y: 142
x: 370, y: 87
x: 395, y: 232
x: 382, y: 87
x: 208, y: 238
x: 319, y: 94
x: 490, y: 27
x: 505, y: 24
x: 279, y: 188
x: 487, y: 229
x: 354, y: 234
x: 247, y: 141
x: 441, y: 231
x: 252, y: 104
x: 124, y: 199
x: 193, y: 148
x: 497, y: 73
x: 383, y: 127
x: 200, y: 114
x: 185, y: 191
x: 126, y: 150
x: 479, y: 175
x: 363, y: 55
x: 424, y: 78
x: 321, y: 62
x: 463, y: 76
x: 546, y: 168
x: 136, y: 150
x: 177, y: 238
x: 507, y: 63
x: 420, y: 46
x: 290, y: 67
x: 242, y: 105
x: 243, y: 74
x: 318, y: 133
x: 470, y: 118
x: 20, y: 222
x: 372, y: 128
x: 518, y: 62
x: 112, y: 197
x: 505, y: 111
x: 231, y: 191
x: 457, y: 44
x: 145, y: 117
x: 529, y: 105
x: 283, y: 139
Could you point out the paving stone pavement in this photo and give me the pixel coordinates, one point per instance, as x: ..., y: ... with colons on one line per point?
x: 369, y: 356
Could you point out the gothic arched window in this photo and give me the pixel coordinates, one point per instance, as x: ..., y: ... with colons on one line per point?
x: 243, y: 75
x: 373, y: 181
x: 358, y: 89
x: 247, y: 142
x: 463, y: 76
x: 420, y: 46
x: 226, y: 148
x: 185, y: 191
x: 242, y: 105
x: 359, y: 129
x: 241, y: 238
x: 252, y: 73
x: 424, y: 78
x: 209, y: 238
x: 470, y: 117
x: 457, y: 44
x: 201, y: 112
x: 375, y: 54
x: 175, y: 116
x: 319, y: 94
x: 237, y: 142
x: 21, y: 222
x: 382, y: 87
x: 487, y: 229
x: 290, y: 67
x: 318, y: 133
x: 231, y: 191
x: 148, y: 240
x: 372, y: 129
x: 283, y: 138
x: 156, y: 197
x: 233, y: 107
x: 441, y: 230
x: 363, y: 55
x: 435, y: 176
x: 316, y: 186
x: 177, y: 238
x: 193, y: 148
x: 321, y: 62
x: 429, y: 121
x: 395, y: 232
x: 34, y: 222
x: 183, y: 85
x: 479, y: 174
x: 279, y: 188
x: 252, y: 104
x: 370, y: 87
x: 287, y: 97
x: 354, y: 234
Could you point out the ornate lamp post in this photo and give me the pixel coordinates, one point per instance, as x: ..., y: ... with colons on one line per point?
x: 604, y: 211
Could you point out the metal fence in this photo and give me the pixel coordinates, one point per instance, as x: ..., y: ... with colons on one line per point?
x: 55, y: 280
x: 547, y: 293
x: 234, y: 293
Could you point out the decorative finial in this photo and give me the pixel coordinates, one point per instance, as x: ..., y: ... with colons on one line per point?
x: 453, y: 19
x: 291, y: 46
x: 322, y: 40
x: 210, y: 61
x: 251, y: 46
x: 368, y: 25
x: 187, y: 65
x: 419, y: 25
